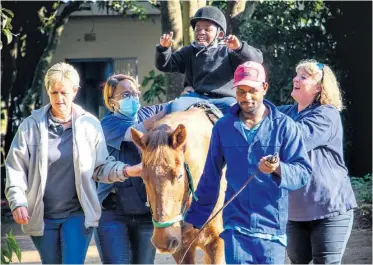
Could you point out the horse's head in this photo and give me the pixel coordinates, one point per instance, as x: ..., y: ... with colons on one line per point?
x: 166, y: 182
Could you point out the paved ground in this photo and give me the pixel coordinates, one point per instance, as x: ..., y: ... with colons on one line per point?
x: 358, y: 251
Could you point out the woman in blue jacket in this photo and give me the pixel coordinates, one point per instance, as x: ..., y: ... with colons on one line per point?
x: 125, y: 227
x: 320, y: 213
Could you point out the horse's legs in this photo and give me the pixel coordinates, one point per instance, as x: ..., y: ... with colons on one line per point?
x: 189, y: 257
x: 214, y: 252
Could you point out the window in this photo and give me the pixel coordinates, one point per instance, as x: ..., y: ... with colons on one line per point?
x: 127, y: 66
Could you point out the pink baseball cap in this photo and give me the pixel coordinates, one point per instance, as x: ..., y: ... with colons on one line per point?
x: 250, y: 74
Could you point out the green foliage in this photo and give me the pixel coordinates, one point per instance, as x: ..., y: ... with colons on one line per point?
x: 157, y: 87
x: 222, y: 5
x: 48, y: 18
x: 286, y: 32
x: 126, y: 7
x: 363, y: 188
x: 6, y: 25
x: 7, y: 249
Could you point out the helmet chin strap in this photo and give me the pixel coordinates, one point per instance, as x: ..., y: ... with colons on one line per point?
x: 216, y: 39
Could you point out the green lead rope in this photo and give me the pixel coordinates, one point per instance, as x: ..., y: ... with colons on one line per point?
x: 190, y: 182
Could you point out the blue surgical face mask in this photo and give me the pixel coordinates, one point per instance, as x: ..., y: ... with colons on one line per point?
x: 129, y: 106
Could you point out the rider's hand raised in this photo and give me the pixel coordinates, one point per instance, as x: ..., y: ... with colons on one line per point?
x: 232, y: 42
x: 166, y: 40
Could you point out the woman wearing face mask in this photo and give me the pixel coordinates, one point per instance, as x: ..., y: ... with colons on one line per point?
x: 321, y: 213
x: 125, y: 227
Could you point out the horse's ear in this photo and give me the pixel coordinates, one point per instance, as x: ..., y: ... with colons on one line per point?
x: 138, y: 138
x: 178, y: 137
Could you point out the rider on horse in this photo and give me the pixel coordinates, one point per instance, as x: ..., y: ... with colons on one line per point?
x: 208, y: 63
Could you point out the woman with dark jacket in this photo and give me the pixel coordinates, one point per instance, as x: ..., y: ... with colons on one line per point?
x: 125, y: 227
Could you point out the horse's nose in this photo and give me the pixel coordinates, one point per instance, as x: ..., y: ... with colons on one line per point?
x: 167, y: 240
x: 173, y: 243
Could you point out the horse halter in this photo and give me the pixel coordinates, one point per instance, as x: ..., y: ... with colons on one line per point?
x: 182, y: 214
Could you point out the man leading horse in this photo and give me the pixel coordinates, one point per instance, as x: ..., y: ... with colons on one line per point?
x: 255, y: 222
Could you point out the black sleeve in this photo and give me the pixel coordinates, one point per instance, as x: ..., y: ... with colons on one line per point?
x: 245, y: 53
x: 166, y: 61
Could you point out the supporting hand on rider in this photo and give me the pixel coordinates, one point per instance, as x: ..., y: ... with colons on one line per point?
x: 150, y: 123
x: 187, y: 90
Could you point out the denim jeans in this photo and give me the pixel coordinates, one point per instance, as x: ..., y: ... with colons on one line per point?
x: 323, y: 241
x: 243, y: 249
x: 65, y: 241
x: 124, y: 240
x: 186, y: 100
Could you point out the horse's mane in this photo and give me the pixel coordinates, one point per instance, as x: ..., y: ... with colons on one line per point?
x: 158, y: 150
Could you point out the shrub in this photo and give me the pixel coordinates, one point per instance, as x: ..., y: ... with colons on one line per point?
x: 362, y: 187
x: 7, y: 249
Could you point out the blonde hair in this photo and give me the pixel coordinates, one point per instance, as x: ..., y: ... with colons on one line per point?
x: 59, y: 72
x: 330, y: 91
x: 110, y: 85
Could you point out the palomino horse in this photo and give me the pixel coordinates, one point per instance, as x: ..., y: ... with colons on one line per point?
x: 179, y: 138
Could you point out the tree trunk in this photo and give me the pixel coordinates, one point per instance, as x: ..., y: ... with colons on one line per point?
x: 189, y: 9
x: 236, y: 12
x: 33, y: 100
x: 9, y: 102
x: 171, y: 20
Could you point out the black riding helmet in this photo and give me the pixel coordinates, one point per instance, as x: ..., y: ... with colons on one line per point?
x: 212, y: 14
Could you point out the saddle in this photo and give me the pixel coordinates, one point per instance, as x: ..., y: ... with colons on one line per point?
x: 212, y: 112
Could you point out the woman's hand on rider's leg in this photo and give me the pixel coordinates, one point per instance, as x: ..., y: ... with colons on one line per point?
x: 187, y: 90
x: 150, y: 123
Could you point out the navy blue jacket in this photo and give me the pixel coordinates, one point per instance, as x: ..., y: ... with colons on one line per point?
x: 329, y: 192
x: 130, y: 195
x: 208, y: 70
x: 262, y: 207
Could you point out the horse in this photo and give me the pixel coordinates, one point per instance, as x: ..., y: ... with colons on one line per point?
x: 173, y: 158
